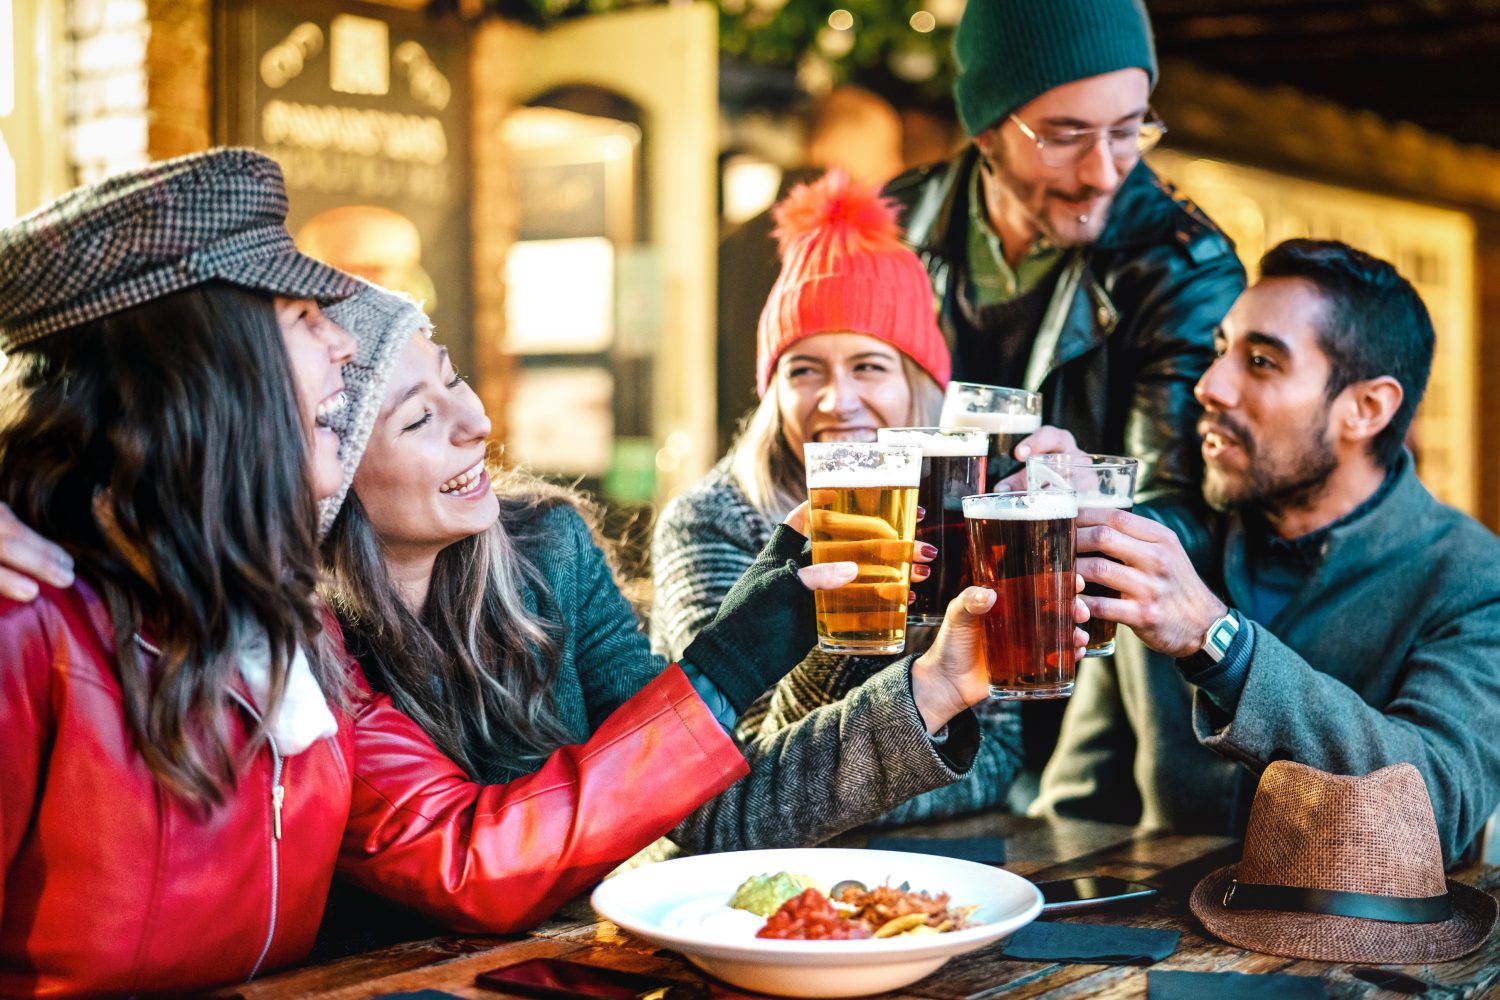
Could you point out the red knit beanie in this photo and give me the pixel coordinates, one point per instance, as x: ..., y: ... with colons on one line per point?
x: 844, y: 269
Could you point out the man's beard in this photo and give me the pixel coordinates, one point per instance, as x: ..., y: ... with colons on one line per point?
x: 1265, y: 490
x: 1083, y: 230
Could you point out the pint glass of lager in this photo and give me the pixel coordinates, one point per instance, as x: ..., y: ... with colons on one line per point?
x: 1006, y: 415
x: 1021, y: 545
x: 952, y: 468
x: 863, y: 510
x: 1099, y: 481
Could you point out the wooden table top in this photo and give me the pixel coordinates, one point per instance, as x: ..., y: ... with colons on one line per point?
x: 1036, y: 848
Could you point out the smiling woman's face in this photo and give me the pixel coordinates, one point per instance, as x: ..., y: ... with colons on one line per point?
x: 316, y: 349
x: 421, y: 479
x: 840, y: 387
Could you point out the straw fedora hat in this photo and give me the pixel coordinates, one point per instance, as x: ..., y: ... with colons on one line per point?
x: 1343, y: 869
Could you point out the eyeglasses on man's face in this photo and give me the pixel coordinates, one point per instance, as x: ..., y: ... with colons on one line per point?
x: 1068, y: 146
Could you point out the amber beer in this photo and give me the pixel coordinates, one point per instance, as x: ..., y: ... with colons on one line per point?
x: 1099, y: 481
x: 863, y: 509
x: 952, y: 468
x: 1022, y: 547
x: 1006, y: 415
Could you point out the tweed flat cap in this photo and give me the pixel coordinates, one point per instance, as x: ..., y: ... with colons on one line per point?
x: 110, y: 246
x: 381, y: 322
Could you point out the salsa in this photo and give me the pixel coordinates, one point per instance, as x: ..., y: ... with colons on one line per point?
x: 811, y: 917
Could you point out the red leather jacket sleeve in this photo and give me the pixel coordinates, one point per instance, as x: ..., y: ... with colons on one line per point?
x: 25, y: 720
x: 501, y: 858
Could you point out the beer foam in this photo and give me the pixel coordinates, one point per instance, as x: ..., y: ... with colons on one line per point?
x: 832, y: 479
x: 995, y: 423
x: 938, y: 445
x: 1046, y: 506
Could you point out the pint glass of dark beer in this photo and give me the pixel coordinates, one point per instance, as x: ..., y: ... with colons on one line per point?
x: 1099, y: 481
x: 1007, y: 415
x: 952, y: 468
x: 863, y: 500
x: 1021, y: 546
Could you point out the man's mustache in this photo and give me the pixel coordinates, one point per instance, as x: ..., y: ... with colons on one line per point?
x: 1226, y: 426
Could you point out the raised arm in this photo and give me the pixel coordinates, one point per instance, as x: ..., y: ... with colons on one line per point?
x: 500, y: 858
x: 1443, y: 717
x: 703, y: 544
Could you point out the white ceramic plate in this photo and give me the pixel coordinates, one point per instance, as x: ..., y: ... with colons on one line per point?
x: 647, y: 901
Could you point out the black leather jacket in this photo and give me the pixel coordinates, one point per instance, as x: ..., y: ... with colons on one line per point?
x: 1127, y: 334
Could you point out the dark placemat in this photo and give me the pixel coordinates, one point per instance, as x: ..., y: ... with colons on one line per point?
x: 1171, y: 984
x: 1098, y: 944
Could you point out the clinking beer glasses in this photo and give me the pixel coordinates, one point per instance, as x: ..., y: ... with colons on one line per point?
x: 864, y: 510
x: 1007, y: 415
x: 953, y: 460
x: 1099, y: 481
x: 1022, y: 547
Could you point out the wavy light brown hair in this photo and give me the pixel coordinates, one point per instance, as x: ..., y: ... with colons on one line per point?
x: 175, y: 424
x: 475, y: 666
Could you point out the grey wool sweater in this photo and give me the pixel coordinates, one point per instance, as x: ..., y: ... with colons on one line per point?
x: 1390, y: 652
x: 705, y: 539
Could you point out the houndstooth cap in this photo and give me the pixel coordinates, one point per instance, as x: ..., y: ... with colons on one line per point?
x: 381, y: 322
x: 110, y: 246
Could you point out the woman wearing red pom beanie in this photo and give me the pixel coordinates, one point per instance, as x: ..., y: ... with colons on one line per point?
x: 848, y: 343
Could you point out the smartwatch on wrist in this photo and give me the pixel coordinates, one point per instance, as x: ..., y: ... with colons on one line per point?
x: 1220, y: 635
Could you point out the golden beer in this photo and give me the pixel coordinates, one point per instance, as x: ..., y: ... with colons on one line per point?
x: 863, y: 500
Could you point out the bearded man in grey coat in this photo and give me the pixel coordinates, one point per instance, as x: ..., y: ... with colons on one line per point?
x: 1341, y: 616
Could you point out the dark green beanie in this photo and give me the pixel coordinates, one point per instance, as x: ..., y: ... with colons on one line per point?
x: 1010, y: 51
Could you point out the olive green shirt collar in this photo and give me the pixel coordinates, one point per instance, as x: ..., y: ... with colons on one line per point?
x: 991, y: 278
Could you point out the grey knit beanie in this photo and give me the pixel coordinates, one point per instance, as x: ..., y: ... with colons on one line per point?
x: 1011, y: 51
x: 381, y: 322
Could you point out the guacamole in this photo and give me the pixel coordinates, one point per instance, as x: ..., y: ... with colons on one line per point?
x: 764, y: 894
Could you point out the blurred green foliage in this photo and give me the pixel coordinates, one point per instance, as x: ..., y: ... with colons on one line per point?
x: 881, y: 47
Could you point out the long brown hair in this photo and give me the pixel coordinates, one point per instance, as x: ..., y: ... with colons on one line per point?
x: 475, y: 667
x: 174, y: 423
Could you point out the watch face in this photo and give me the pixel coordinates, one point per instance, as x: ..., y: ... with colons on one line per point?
x: 1220, y: 636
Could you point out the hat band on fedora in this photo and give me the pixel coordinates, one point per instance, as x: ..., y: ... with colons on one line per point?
x: 1339, y: 903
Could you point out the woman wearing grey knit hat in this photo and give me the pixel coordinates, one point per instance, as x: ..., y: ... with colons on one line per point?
x: 183, y: 732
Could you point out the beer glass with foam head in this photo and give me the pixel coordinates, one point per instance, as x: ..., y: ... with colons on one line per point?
x: 1022, y: 547
x: 863, y: 500
x: 953, y: 461
x: 1007, y: 415
x: 1099, y: 481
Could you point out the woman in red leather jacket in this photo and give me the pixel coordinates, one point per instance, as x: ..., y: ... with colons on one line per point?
x: 186, y: 751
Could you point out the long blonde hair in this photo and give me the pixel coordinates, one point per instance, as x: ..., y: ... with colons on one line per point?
x: 770, y: 473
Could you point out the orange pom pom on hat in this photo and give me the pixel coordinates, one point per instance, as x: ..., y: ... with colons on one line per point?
x: 844, y: 269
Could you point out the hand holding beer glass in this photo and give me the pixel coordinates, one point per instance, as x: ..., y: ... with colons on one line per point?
x: 1022, y: 546
x: 952, y: 468
x: 863, y: 509
x: 1100, y: 481
x: 1007, y: 415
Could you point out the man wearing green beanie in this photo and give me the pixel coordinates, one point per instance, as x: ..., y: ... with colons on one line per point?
x: 1062, y: 264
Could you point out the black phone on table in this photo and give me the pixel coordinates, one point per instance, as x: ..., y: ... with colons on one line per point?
x: 1090, y: 891
x: 559, y: 979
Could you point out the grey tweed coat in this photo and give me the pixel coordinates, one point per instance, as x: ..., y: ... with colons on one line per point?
x: 705, y: 539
